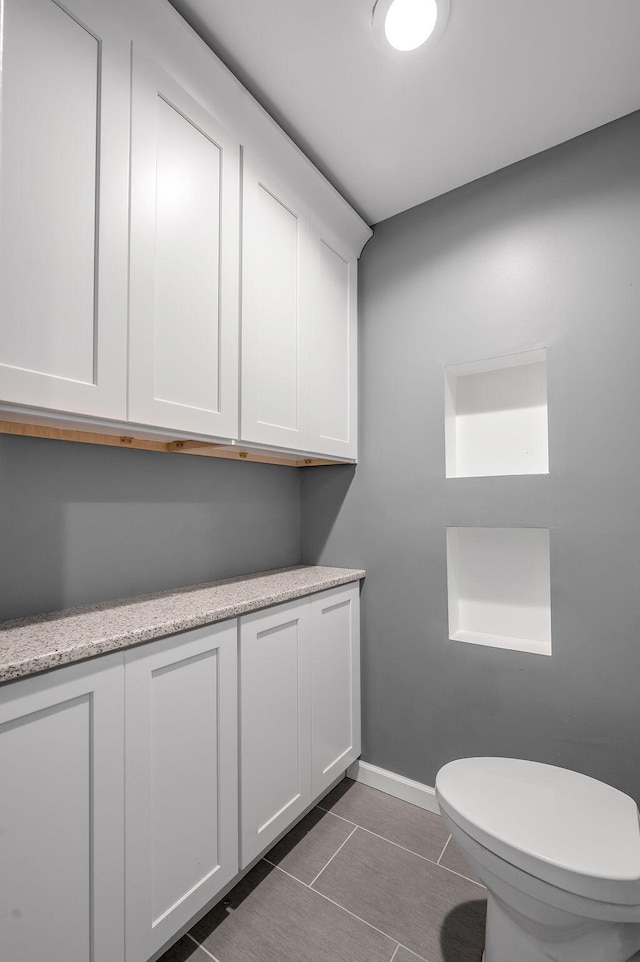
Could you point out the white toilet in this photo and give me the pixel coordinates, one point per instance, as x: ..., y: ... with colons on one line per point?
x: 558, y: 852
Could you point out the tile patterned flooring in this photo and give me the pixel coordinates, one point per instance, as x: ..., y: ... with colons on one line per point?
x: 364, y: 877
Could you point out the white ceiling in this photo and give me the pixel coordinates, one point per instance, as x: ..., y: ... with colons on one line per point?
x: 508, y: 78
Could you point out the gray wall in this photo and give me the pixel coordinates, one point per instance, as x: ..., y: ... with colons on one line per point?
x: 82, y: 524
x: 543, y: 254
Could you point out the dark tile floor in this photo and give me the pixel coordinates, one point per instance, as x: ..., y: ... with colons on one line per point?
x: 363, y: 878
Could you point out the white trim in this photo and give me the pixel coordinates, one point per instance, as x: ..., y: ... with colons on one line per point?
x: 424, y: 796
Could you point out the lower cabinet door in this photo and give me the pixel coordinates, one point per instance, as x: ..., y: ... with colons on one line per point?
x: 335, y: 683
x: 275, y: 730
x: 181, y: 781
x: 61, y: 866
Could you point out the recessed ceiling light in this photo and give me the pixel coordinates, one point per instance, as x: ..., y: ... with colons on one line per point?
x: 408, y: 24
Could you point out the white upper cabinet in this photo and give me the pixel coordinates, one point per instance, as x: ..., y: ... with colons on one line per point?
x: 299, y: 334
x: 333, y: 347
x: 64, y: 207
x: 275, y: 279
x: 160, y: 259
x: 183, y: 367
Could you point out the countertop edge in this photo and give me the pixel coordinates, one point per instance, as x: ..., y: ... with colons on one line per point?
x: 69, y: 652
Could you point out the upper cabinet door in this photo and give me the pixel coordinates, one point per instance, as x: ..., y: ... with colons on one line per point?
x: 333, y: 389
x: 275, y: 271
x: 185, y: 223
x: 64, y: 113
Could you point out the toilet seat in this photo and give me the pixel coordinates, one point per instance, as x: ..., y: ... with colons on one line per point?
x: 561, y: 827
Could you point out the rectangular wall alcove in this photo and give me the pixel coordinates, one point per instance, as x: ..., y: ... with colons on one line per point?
x: 496, y: 416
x: 499, y: 587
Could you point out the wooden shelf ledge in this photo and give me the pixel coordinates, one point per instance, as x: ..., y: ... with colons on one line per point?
x: 203, y: 448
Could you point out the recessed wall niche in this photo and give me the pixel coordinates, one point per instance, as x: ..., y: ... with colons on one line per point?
x: 496, y: 416
x: 499, y: 587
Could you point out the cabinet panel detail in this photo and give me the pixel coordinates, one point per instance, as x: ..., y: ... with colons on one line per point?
x: 335, y: 684
x: 184, y: 823
x: 61, y: 812
x: 63, y: 208
x: 181, y: 781
x: 275, y: 723
x: 332, y: 350
x: 187, y: 265
x: 276, y: 666
x: 274, y: 314
x: 49, y: 193
x: 185, y: 212
x: 277, y: 336
x: 55, y: 744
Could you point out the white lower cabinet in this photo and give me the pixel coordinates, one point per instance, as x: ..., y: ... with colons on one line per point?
x: 335, y: 684
x: 181, y: 781
x: 119, y: 776
x: 61, y: 859
x: 299, y: 709
x: 275, y: 723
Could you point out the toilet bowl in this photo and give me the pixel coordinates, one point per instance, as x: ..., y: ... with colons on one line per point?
x: 558, y: 852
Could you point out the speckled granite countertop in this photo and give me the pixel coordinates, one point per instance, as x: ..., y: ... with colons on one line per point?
x: 30, y: 645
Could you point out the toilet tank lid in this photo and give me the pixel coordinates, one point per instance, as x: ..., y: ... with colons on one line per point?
x: 560, y: 826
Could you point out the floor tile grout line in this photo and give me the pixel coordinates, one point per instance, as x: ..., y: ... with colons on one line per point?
x: 410, y: 852
x: 342, y: 907
x: 354, y: 829
x: 444, y: 850
x: 284, y: 871
x: 200, y: 946
x: 420, y: 958
x: 328, y: 811
x: 465, y: 877
x: 397, y: 844
x: 369, y: 925
x: 353, y: 914
x: 337, y: 904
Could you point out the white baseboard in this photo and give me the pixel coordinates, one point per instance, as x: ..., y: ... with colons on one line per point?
x: 424, y: 796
